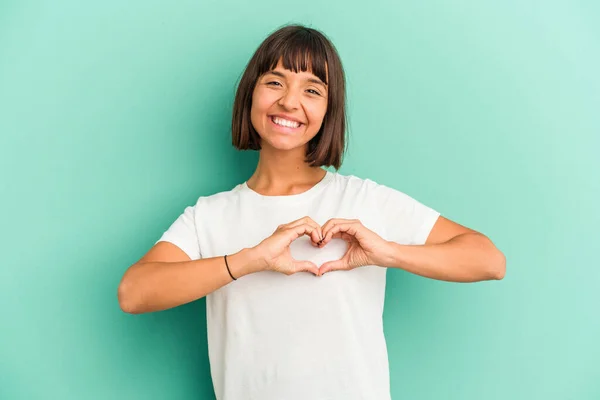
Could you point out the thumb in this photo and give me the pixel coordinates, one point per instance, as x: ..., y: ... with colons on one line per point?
x: 306, y: 266
x: 332, y: 266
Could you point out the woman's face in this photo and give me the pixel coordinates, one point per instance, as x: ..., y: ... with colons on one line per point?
x: 288, y: 108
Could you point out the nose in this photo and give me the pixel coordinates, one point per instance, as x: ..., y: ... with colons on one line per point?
x: 289, y: 99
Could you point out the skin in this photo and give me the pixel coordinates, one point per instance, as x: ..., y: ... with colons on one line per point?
x: 165, y: 276
x: 452, y: 252
x: 281, y: 169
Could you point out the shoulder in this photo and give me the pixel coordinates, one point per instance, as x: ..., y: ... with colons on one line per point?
x: 218, y: 200
x: 352, y: 181
x: 367, y: 186
x: 385, y: 198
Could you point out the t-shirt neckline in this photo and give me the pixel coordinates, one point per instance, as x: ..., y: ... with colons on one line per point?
x: 290, y: 197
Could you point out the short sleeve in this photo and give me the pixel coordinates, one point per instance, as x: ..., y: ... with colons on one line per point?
x: 405, y: 220
x: 183, y: 234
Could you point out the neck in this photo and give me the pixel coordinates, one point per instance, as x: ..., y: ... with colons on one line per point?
x: 280, y: 173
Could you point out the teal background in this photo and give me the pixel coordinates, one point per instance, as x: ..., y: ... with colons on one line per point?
x: 114, y: 116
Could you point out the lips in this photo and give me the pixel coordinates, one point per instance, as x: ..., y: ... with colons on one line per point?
x: 286, y: 117
x: 285, y: 123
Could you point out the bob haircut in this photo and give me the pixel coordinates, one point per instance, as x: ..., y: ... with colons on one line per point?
x: 300, y: 49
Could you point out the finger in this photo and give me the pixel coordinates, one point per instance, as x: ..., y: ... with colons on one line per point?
x: 306, y: 266
x: 334, y: 221
x: 308, y: 220
x: 343, y: 235
x: 316, y: 235
x: 299, y: 230
x: 327, y: 225
x: 302, y: 220
x: 333, y: 266
x: 348, y: 228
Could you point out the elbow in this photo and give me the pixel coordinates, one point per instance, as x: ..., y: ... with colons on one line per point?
x: 126, y: 299
x: 497, y: 269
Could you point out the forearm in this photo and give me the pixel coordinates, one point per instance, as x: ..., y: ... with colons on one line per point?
x: 156, y: 286
x: 469, y: 257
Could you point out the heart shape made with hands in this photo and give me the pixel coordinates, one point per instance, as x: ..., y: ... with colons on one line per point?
x: 301, y: 249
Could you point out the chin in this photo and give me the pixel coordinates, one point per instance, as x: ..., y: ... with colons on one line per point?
x: 283, y: 144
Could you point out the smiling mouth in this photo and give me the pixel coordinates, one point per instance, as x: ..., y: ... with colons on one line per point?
x: 284, y: 123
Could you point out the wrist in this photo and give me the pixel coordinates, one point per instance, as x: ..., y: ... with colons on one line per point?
x: 390, y: 254
x: 244, y: 262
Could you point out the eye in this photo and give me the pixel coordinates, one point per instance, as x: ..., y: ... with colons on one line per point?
x: 275, y: 82
x: 314, y: 92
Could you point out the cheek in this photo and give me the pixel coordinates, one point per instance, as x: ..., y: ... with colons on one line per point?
x: 263, y: 99
x: 316, y: 113
x: 256, y: 103
x: 259, y: 107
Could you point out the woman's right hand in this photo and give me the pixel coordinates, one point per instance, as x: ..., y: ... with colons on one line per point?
x: 275, y: 250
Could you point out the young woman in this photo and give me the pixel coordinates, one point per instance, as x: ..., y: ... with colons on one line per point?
x: 293, y: 261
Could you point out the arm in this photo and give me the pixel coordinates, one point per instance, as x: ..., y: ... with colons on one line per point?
x: 452, y: 252
x: 166, y: 277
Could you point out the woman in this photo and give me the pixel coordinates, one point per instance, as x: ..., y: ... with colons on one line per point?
x: 293, y: 261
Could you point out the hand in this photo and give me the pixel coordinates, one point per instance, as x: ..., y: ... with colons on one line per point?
x: 275, y: 250
x: 365, y: 247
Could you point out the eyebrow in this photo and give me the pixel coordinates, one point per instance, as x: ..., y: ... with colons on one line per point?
x: 316, y: 81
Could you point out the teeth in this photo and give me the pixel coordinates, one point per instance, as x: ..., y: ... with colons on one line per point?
x: 285, y: 122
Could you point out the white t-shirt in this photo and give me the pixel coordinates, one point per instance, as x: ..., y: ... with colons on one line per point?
x: 272, y: 336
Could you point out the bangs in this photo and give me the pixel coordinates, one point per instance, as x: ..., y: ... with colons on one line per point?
x: 301, y: 51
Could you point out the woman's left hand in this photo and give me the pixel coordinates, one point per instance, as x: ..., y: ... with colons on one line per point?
x: 365, y: 247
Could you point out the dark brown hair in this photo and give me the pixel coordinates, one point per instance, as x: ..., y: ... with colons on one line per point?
x: 301, y: 49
